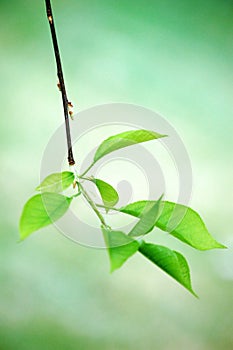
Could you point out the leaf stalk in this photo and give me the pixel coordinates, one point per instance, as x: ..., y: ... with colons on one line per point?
x: 93, y: 205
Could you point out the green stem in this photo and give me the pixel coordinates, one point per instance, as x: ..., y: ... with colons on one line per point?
x: 76, y: 195
x: 84, y: 173
x: 86, y: 178
x: 92, y: 204
x: 108, y: 208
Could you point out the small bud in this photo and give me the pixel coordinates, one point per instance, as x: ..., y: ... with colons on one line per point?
x: 71, y: 114
x: 50, y: 18
x: 74, y: 184
x: 70, y: 110
x: 59, y: 86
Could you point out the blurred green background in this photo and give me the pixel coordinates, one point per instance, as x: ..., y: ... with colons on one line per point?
x: 175, y: 57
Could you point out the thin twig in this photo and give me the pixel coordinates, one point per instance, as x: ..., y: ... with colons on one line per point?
x: 106, y: 207
x: 92, y: 204
x: 61, y: 80
x: 86, y: 171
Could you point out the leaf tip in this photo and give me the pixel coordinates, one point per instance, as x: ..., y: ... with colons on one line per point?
x: 112, y: 269
x: 194, y: 294
x: 221, y: 246
x: 215, y: 245
x: 22, y: 235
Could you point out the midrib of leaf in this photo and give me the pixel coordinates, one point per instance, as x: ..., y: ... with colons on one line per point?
x: 68, y: 199
x: 55, y: 183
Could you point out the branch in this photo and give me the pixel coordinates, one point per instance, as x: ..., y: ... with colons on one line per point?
x: 61, y: 80
x: 93, y: 206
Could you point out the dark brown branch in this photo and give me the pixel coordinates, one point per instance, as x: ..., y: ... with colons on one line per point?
x: 61, y: 80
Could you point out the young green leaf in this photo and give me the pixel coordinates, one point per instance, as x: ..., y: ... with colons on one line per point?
x: 120, y: 247
x: 170, y: 261
x: 189, y: 227
x: 42, y: 210
x: 148, y: 218
x: 108, y: 194
x: 56, y: 182
x: 125, y: 139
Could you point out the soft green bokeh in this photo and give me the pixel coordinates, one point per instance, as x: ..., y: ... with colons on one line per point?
x: 175, y: 57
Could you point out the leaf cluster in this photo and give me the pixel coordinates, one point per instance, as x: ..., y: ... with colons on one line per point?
x: 180, y: 221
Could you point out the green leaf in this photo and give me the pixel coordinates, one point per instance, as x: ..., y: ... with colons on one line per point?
x: 125, y: 139
x: 148, y: 218
x: 108, y: 194
x: 56, y: 182
x: 42, y: 210
x: 120, y: 247
x: 170, y: 261
x: 180, y: 221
